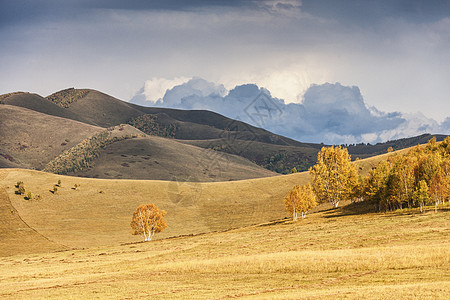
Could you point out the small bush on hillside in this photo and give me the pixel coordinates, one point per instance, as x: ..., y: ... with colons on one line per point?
x: 54, y: 190
x: 29, y: 196
x: 149, y: 124
x: 20, y: 188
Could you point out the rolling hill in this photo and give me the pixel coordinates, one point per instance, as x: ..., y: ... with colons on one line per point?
x: 203, y: 129
x: 30, y: 139
x: 33, y: 140
x: 97, y: 212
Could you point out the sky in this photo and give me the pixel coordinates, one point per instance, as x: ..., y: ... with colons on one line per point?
x: 396, y: 53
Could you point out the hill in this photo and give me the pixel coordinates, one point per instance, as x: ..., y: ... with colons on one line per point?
x: 97, y: 212
x: 34, y: 140
x: 30, y: 139
x: 14, y: 231
x: 200, y: 128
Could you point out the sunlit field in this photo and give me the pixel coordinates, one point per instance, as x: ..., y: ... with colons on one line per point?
x: 334, y: 254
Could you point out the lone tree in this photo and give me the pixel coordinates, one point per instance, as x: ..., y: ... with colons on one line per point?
x: 334, y: 176
x: 300, y: 200
x: 148, y: 220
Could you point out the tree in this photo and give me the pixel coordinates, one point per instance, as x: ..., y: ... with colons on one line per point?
x: 402, y: 180
x: 20, y: 188
x: 294, y: 170
x: 300, y: 200
x: 334, y: 176
x: 148, y: 220
x: 420, y: 195
x: 376, y: 182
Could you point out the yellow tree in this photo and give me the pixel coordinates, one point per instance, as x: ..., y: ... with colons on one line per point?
x: 148, y: 220
x: 376, y: 183
x: 402, y: 180
x: 439, y: 188
x: 300, y: 200
x: 334, y: 177
x: 420, y: 195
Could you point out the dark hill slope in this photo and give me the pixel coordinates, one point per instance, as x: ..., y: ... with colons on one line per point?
x: 40, y: 104
x: 106, y: 111
x: 30, y: 139
x: 160, y: 158
x: 364, y: 151
x: 98, y: 108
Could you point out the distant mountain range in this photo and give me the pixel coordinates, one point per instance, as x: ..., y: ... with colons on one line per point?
x: 88, y: 133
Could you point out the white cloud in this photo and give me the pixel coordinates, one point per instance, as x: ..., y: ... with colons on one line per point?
x: 329, y: 113
x: 155, y: 88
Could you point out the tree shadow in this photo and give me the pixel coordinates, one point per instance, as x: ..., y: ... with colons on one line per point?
x: 355, y: 208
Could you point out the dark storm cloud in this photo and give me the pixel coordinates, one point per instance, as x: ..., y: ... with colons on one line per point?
x: 178, y: 5
x: 369, y: 13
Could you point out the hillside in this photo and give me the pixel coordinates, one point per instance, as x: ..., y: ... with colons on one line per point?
x: 158, y: 158
x: 14, y: 231
x: 98, y: 211
x: 349, y: 252
x: 200, y: 128
x: 30, y: 139
x: 332, y: 254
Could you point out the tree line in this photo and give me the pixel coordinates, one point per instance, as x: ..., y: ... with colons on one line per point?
x: 415, y: 179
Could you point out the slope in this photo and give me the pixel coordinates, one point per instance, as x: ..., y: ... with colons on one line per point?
x: 16, y: 237
x: 329, y: 255
x: 39, y: 104
x: 158, y: 158
x: 30, y: 139
x: 98, y: 211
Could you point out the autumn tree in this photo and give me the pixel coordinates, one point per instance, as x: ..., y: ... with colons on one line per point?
x: 420, y: 195
x: 148, y: 220
x: 334, y: 177
x: 401, y: 180
x: 300, y: 200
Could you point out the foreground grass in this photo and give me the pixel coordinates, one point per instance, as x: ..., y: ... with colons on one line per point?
x: 331, y: 254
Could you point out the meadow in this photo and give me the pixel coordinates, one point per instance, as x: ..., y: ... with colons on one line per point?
x: 224, y: 240
x: 333, y: 253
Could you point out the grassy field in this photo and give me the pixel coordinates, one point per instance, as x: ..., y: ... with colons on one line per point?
x: 99, y: 211
x: 333, y: 254
x: 76, y: 243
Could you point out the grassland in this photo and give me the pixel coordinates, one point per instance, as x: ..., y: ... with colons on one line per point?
x: 76, y: 243
x: 333, y: 254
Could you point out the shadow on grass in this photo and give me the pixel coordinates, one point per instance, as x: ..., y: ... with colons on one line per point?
x: 355, y: 208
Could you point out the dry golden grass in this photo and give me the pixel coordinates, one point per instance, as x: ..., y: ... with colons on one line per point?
x: 331, y: 254
x: 99, y: 212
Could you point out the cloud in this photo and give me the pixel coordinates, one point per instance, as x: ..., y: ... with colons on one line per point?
x: 329, y: 113
x: 155, y: 88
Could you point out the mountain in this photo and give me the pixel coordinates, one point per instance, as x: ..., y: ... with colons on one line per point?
x: 204, y: 129
x: 33, y: 140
